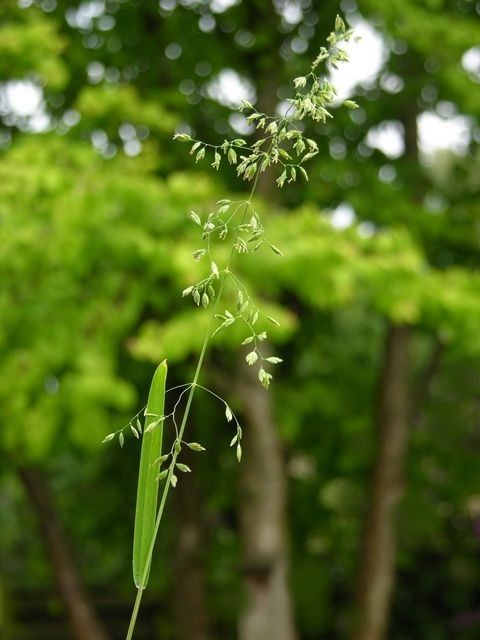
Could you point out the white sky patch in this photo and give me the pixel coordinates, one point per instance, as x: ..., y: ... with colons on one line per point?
x: 39, y: 122
x: 437, y: 133
x: 229, y: 88
x: 290, y: 11
x: 82, y: 16
x: 342, y: 216
x: 367, y: 58
x: 387, y: 137
x: 23, y: 98
x: 219, y: 6
x: 471, y: 62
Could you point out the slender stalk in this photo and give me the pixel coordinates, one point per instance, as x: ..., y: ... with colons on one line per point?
x: 191, y: 393
x: 312, y: 103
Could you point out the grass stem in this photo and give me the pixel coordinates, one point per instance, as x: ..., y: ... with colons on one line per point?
x: 166, y: 488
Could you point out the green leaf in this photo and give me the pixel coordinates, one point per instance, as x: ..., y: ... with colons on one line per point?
x: 195, y: 217
x: 152, y: 425
x: 183, y: 137
x: 147, y: 492
x: 134, y: 431
x: 217, y: 160
x: 194, y: 446
x: 339, y: 24
x: 275, y: 249
x: 264, y: 378
x: 281, y: 179
x: 273, y: 321
x: 187, y: 291
x: 284, y: 154
x: 251, y: 170
x: 199, y: 253
x: 273, y: 360
x: 299, y: 146
x: 246, y: 104
x: 300, y: 82
x: 162, y: 475
x: 304, y: 173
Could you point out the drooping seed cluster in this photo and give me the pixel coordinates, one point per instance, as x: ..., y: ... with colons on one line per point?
x: 280, y: 143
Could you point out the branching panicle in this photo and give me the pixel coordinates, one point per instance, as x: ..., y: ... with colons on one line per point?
x: 280, y: 144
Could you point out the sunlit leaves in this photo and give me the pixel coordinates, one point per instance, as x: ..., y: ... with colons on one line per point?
x: 32, y: 46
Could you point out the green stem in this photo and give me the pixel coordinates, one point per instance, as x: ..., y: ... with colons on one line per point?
x: 341, y: 35
x: 166, y: 489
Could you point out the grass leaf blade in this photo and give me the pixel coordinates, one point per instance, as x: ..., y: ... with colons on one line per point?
x: 147, y: 492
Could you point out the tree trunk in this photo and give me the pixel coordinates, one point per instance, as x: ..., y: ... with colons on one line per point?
x: 5, y: 619
x: 268, y: 612
x: 191, y: 617
x: 377, y: 564
x: 84, y: 622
